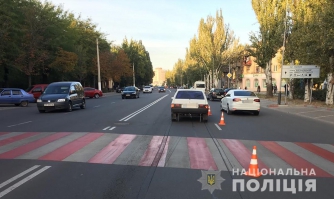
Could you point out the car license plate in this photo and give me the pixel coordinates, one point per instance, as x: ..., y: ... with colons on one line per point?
x: 128, y: 95
x: 247, y: 101
x: 219, y: 96
x: 49, y: 104
x: 189, y: 106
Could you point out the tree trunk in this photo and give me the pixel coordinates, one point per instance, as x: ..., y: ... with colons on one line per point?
x: 292, y: 88
x: 269, y: 80
x: 307, y: 91
x: 330, y: 84
x: 29, y: 80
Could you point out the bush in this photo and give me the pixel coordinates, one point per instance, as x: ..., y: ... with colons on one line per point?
x: 319, y: 95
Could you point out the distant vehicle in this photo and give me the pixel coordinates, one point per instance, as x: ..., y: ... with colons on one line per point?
x: 162, y: 89
x: 36, y: 90
x: 191, y: 103
x: 16, y: 96
x: 62, y: 96
x: 130, y: 92
x: 216, y: 93
x: 147, y: 89
x: 119, y: 90
x: 227, y: 90
x: 200, y: 85
x: 92, y: 92
x: 240, y: 100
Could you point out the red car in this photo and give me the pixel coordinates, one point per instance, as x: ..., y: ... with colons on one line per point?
x: 92, y: 92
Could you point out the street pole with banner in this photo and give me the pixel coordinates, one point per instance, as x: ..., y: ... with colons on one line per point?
x: 98, y: 65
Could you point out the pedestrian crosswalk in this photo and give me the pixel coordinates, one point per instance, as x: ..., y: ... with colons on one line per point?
x: 173, y: 151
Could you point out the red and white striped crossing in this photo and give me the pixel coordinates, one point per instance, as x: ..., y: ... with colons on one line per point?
x: 177, y: 152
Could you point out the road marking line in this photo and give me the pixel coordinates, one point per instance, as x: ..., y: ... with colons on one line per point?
x: 112, y: 128
x: 19, y: 124
x: 106, y: 128
x: 97, y: 106
x: 142, y: 109
x: 24, y: 180
x: 18, y: 176
x: 309, y: 111
x: 112, y: 102
x: 218, y: 127
x: 323, y: 116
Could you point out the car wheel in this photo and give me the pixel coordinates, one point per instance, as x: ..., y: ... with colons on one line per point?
x: 122, y: 97
x: 256, y: 113
x: 205, y: 117
x: 69, y: 108
x: 24, y: 103
x: 211, y: 99
x: 83, y: 105
x: 96, y: 95
x: 228, y: 110
x: 221, y: 108
x: 41, y: 111
x: 138, y: 96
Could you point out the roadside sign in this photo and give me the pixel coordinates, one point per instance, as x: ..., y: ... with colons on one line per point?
x: 300, y: 71
x: 229, y: 75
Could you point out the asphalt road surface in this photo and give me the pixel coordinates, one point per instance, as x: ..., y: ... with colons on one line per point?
x: 131, y: 149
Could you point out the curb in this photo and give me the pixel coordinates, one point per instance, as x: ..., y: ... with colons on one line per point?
x: 272, y: 106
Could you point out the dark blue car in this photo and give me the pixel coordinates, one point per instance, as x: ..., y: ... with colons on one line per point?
x: 15, y: 96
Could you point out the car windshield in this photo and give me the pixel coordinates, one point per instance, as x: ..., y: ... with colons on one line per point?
x: 218, y: 90
x: 200, y: 85
x: 57, y: 89
x: 244, y: 93
x: 161, y: 87
x: 129, y: 89
x: 189, y: 95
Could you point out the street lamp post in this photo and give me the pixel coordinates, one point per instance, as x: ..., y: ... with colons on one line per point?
x: 133, y: 74
x: 98, y: 65
x: 284, y: 37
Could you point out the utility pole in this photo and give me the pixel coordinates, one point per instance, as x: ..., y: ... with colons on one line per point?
x: 213, y: 66
x: 229, y: 71
x: 98, y: 65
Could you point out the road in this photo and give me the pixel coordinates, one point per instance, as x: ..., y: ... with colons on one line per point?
x: 131, y: 149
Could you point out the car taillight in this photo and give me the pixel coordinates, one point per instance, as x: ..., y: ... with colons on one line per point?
x: 175, y: 105
x: 256, y: 100
x: 203, y: 106
x: 236, y: 100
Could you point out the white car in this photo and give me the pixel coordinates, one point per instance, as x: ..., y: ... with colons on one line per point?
x: 147, y: 89
x: 191, y: 103
x: 240, y: 100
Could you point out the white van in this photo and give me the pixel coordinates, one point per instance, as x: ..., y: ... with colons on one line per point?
x: 200, y: 85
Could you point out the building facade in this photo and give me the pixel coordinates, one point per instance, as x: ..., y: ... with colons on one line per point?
x: 159, y: 78
x: 254, y: 76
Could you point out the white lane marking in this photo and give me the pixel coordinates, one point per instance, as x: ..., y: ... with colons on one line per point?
x: 18, y: 176
x: 112, y: 102
x: 106, y: 128
x: 323, y: 116
x: 309, y: 111
x: 24, y: 180
x: 218, y: 127
x: 142, y: 109
x: 112, y: 128
x: 97, y: 106
x: 19, y: 124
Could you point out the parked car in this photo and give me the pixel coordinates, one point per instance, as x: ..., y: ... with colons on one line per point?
x: 16, y: 96
x: 240, y: 100
x: 119, y: 90
x: 162, y: 89
x: 148, y: 89
x: 92, y: 92
x: 130, y: 92
x: 62, y: 96
x: 216, y: 93
x: 36, y: 90
x: 191, y: 103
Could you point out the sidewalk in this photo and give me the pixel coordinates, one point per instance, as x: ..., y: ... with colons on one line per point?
x: 310, y: 111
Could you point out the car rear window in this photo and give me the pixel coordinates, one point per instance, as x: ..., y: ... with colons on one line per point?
x: 244, y: 93
x: 147, y: 87
x: 200, y: 85
x: 189, y: 95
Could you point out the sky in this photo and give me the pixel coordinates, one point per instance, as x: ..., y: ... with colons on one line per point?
x: 165, y: 27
